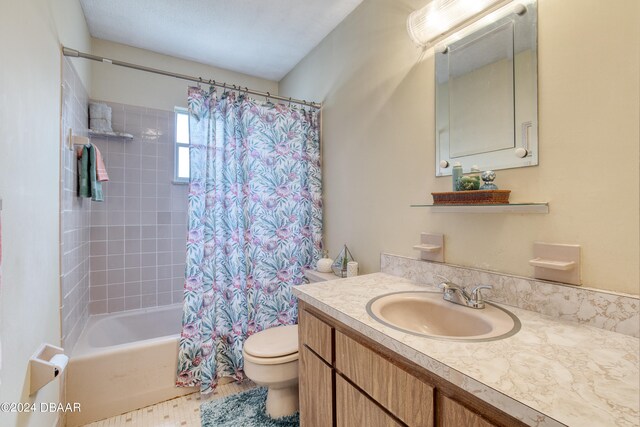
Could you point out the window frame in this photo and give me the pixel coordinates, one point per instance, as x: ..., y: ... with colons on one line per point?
x: 177, y: 145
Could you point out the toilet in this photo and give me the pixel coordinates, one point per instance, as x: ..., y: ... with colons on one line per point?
x: 271, y: 360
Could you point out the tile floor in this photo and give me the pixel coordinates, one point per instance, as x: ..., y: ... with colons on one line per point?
x: 181, y: 412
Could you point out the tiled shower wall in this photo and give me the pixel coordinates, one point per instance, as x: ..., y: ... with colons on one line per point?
x: 75, y: 214
x: 138, y: 234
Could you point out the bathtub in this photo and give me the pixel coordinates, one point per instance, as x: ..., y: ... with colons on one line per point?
x: 124, y: 361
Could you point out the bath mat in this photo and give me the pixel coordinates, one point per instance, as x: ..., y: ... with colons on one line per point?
x: 246, y: 409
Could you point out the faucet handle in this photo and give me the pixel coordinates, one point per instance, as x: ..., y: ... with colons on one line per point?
x: 476, y: 295
x: 442, y: 279
x: 449, y: 286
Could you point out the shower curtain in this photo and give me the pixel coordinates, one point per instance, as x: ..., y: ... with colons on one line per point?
x: 255, y: 221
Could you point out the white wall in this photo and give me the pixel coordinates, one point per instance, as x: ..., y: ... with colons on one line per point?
x: 71, y: 27
x: 378, y: 138
x: 133, y: 87
x: 30, y: 33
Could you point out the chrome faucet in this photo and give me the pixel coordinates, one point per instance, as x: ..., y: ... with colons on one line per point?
x: 457, y: 295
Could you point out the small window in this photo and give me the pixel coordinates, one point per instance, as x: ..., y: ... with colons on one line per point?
x: 181, y: 168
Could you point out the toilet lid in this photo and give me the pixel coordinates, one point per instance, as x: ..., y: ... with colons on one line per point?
x: 274, y: 342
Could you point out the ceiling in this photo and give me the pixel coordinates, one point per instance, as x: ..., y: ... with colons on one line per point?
x: 263, y: 38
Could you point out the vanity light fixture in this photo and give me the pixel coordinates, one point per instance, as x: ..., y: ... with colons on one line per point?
x: 439, y: 17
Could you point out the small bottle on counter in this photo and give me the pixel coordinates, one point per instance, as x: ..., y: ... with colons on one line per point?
x: 456, y: 174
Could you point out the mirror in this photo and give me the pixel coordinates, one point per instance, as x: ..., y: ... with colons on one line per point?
x: 486, y: 94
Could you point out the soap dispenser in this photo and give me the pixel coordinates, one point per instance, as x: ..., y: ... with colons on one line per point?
x: 456, y: 174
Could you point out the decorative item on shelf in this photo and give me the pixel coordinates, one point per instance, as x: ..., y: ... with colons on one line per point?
x: 324, y: 264
x: 487, y: 180
x: 341, y: 262
x: 474, y: 197
x: 471, y: 181
x: 475, y: 175
x: 456, y: 174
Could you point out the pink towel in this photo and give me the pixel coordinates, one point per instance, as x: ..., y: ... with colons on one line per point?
x: 101, y: 170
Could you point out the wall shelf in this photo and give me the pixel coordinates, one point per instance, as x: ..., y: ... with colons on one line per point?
x: 527, y: 208
x: 120, y: 135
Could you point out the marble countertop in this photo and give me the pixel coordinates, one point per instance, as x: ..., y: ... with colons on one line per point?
x: 551, y: 373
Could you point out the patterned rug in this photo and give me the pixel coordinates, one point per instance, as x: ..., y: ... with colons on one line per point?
x: 246, y: 409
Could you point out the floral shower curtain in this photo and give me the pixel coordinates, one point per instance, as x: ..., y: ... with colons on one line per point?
x: 255, y: 221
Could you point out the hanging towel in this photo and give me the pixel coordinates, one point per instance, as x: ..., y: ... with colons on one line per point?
x: 88, y: 185
x: 101, y: 170
x: 96, y: 186
x: 84, y: 187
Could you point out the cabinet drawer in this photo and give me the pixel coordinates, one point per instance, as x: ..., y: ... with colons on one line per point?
x: 315, y: 334
x: 453, y: 414
x: 316, y: 391
x: 355, y: 409
x: 405, y: 396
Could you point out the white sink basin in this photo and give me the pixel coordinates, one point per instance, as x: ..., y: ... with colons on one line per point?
x: 427, y: 314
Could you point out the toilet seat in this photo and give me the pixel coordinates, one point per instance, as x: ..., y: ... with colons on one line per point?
x: 270, y: 360
x: 272, y: 346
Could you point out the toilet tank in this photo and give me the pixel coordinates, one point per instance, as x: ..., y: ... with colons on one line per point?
x: 314, y: 276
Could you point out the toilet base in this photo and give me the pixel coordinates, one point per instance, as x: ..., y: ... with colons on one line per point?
x: 282, y: 401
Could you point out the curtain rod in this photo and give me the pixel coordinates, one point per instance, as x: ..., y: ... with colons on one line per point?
x: 74, y: 53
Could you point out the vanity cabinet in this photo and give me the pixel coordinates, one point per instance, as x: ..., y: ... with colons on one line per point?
x: 347, y: 380
x: 454, y: 414
x: 353, y: 408
x: 316, y: 390
x: 385, y: 382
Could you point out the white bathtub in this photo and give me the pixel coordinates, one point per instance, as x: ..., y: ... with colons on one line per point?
x: 124, y: 361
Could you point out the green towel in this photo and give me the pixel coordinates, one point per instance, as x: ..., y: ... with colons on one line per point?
x: 84, y: 188
x: 88, y: 185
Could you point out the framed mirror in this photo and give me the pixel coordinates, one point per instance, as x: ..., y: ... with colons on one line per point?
x: 487, y: 95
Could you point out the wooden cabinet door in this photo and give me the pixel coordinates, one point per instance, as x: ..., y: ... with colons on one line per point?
x: 316, y: 389
x: 354, y: 409
x: 453, y: 414
x: 315, y: 334
x: 402, y: 394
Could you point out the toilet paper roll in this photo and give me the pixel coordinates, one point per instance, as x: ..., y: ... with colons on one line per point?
x: 352, y: 269
x: 60, y: 361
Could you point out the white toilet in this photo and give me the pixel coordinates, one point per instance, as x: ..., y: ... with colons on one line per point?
x: 271, y: 360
